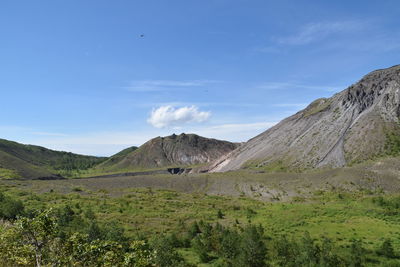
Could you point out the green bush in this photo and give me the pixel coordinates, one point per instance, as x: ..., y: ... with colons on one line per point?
x: 10, y: 208
x: 386, y: 249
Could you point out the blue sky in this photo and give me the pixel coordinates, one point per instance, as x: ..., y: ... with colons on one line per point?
x: 77, y: 75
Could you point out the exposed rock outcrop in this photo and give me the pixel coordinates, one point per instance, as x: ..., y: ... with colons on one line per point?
x: 351, y: 126
x: 174, y: 150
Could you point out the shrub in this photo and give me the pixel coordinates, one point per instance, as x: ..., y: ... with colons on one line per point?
x: 252, y: 248
x: 165, y: 254
x: 386, y: 249
x: 10, y: 208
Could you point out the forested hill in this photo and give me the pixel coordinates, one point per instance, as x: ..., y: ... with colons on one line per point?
x: 28, y: 161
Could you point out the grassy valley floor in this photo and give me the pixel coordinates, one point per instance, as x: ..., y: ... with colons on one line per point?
x: 336, y: 213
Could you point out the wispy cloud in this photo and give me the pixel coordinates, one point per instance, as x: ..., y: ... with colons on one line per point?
x: 95, y: 143
x: 48, y: 134
x: 160, y: 85
x: 288, y: 85
x: 321, y: 32
x: 241, y: 126
x: 236, y: 132
x: 314, y: 32
x: 374, y: 42
x: 290, y: 105
x: 165, y: 116
x: 198, y: 104
x: 347, y: 35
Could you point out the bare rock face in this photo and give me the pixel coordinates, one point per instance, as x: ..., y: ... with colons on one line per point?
x: 351, y: 126
x: 174, y: 150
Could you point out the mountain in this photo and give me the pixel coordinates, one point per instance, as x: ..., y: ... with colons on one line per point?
x: 174, y: 150
x: 359, y: 123
x: 32, y: 162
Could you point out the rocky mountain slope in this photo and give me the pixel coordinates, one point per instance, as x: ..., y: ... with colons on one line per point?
x: 32, y: 162
x: 357, y: 124
x: 174, y: 150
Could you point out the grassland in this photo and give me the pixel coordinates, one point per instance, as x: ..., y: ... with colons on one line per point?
x: 338, y: 214
x: 355, y: 203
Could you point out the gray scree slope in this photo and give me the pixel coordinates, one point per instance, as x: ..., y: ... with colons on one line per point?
x: 351, y: 126
x: 174, y: 150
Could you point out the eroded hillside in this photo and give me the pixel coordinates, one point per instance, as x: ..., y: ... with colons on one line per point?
x: 359, y: 123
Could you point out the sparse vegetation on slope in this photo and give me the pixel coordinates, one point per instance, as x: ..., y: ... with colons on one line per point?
x: 170, y: 151
x: 333, y: 132
x: 392, y: 145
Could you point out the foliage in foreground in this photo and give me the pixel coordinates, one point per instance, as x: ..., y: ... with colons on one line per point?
x: 37, y: 241
x: 72, y: 234
x: 248, y: 246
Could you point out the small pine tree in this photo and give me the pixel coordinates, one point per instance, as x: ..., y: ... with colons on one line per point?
x: 253, y: 250
x: 386, y: 249
x: 165, y: 253
x: 357, y: 253
x: 230, y: 245
x: 94, y: 231
x: 220, y: 215
x: 65, y: 215
x: 201, y: 249
x: 10, y: 208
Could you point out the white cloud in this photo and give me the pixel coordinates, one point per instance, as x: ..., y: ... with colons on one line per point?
x: 165, y: 116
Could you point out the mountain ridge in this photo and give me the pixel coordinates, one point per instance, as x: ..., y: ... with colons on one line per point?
x: 36, y: 162
x: 174, y: 150
x: 351, y: 126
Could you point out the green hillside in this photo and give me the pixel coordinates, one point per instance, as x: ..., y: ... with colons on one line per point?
x: 29, y: 162
x: 115, y: 159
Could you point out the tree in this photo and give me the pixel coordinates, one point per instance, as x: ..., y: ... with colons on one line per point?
x: 357, y: 253
x: 386, y: 249
x: 10, y: 208
x: 139, y: 255
x: 194, y: 230
x: 164, y: 253
x: 327, y: 257
x: 309, y: 252
x: 114, y: 232
x: 34, y: 242
x: 287, y: 251
x: 230, y: 245
x: 94, y: 232
x: 30, y: 241
x: 201, y: 249
x: 65, y: 215
x: 253, y: 249
x: 220, y: 215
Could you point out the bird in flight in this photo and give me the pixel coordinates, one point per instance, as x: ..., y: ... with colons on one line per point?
x: 142, y: 35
